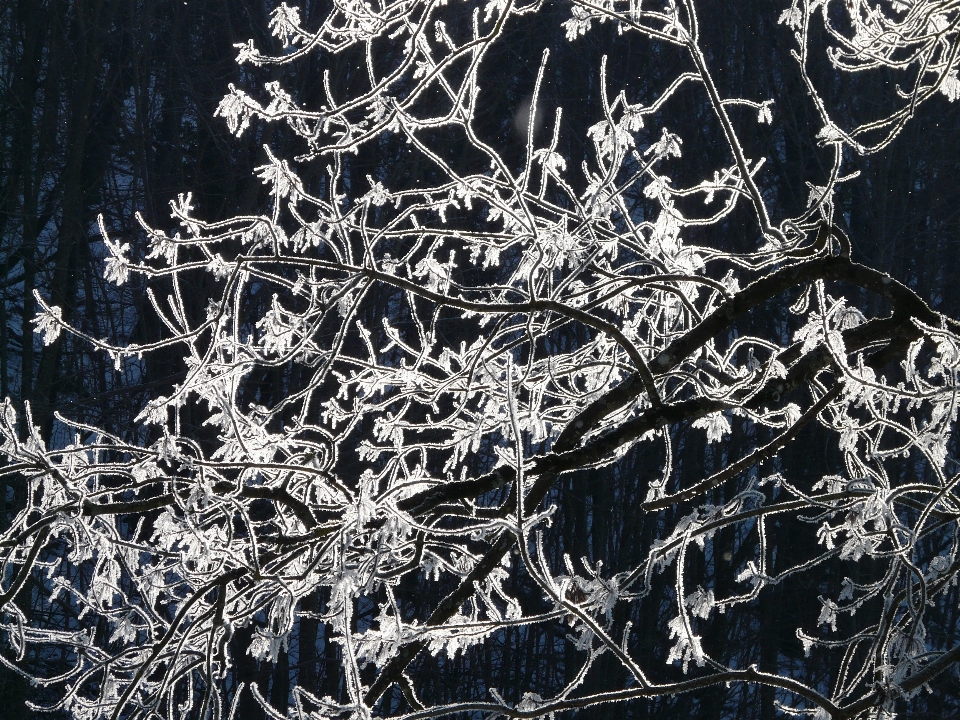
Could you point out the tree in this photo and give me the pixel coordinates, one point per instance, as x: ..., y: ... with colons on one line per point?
x: 438, y: 320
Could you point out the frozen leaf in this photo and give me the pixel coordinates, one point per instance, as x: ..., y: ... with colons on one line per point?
x: 686, y: 645
x: 716, y: 424
x: 791, y: 17
x: 49, y: 321
x: 765, y: 116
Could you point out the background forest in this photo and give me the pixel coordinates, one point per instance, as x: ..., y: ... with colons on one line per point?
x: 107, y: 108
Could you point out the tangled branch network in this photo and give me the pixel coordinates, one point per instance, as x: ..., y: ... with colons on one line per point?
x: 449, y: 347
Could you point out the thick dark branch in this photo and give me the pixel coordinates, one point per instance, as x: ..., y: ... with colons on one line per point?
x: 279, y: 495
x: 907, y: 305
x: 424, y: 502
x: 127, y: 507
x: 447, y: 608
x: 905, y: 301
x: 750, y: 675
x: 757, y: 456
x: 651, y: 419
x: 877, y: 696
x: 611, y: 401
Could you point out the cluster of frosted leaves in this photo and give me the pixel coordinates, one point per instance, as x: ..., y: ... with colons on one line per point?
x: 918, y: 40
x: 560, y: 300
